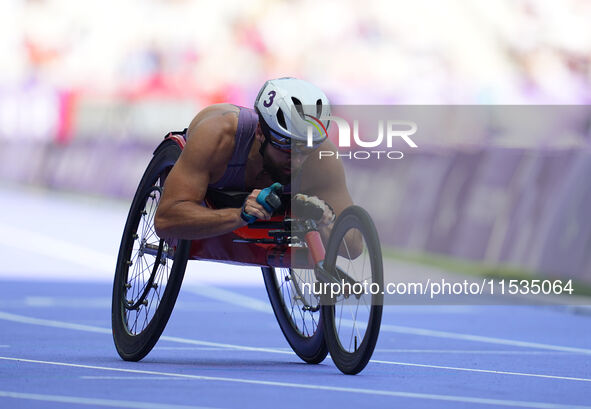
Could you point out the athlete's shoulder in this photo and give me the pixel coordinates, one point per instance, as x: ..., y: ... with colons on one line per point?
x: 210, y: 136
x: 220, y: 109
x: 220, y: 118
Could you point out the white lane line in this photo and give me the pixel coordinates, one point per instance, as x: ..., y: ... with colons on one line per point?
x: 453, y: 368
x: 376, y: 392
x: 84, y: 303
x: 87, y: 302
x: 471, y: 351
x: 88, y: 328
x: 190, y: 349
x: 254, y: 304
x: 227, y: 346
x: 93, y: 401
x: 31, y: 241
x: 132, y: 378
x: 480, y: 338
x: 230, y: 297
x: 52, y: 323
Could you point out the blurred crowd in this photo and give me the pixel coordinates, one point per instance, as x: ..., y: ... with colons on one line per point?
x: 88, y: 88
x: 375, y: 51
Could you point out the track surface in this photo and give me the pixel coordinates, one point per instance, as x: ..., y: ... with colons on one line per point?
x: 223, y: 348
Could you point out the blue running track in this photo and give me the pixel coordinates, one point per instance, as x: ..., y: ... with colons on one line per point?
x: 223, y: 349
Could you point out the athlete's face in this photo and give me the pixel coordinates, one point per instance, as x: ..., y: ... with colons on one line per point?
x: 281, y: 163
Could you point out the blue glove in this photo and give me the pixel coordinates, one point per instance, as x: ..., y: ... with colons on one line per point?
x: 268, y: 199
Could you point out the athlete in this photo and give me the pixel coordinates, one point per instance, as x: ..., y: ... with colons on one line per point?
x: 237, y: 148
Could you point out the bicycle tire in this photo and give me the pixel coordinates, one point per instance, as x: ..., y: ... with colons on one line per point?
x: 133, y: 345
x: 303, y: 332
x: 353, y: 361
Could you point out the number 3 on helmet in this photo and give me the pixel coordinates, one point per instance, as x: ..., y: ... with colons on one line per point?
x: 288, y: 107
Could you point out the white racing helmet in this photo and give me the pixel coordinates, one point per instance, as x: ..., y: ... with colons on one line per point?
x: 287, y: 107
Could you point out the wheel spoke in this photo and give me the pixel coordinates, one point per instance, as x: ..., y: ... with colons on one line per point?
x: 295, y: 303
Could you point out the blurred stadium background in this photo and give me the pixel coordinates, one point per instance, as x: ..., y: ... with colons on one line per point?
x: 88, y: 88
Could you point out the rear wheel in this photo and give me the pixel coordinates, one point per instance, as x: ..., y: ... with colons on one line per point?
x: 297, y: 311
x: 352, y: 317
x: 149, y: 272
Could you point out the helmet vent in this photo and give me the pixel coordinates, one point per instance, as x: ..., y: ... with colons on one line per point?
x: 281, y: 119
x: 298, y: 106
x: 318, y: 108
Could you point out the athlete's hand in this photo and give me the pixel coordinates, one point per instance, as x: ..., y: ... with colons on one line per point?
x: 260, y: 204
x: 313, y: 207
x: 254, y: 209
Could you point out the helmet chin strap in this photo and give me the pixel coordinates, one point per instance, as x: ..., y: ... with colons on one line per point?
x: 265, y: 132
x: 263, y: 146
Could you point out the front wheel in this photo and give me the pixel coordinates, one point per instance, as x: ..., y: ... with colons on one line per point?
x: 297, y: 311
x: 353, y: 314
x: 149, y: 272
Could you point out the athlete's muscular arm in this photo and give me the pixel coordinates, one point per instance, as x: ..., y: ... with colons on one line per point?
x: 181, y: 213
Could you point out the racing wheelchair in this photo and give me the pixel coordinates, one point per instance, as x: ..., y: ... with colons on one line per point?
x: 324, y: 299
